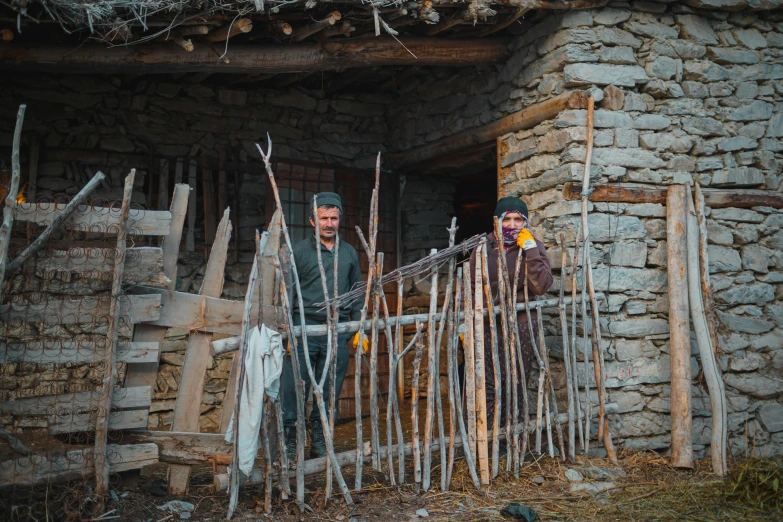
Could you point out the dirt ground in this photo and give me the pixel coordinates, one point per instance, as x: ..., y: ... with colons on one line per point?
x: 647, y: 489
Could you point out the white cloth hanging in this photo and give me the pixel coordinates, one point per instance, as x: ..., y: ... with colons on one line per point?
x: 263, y: 366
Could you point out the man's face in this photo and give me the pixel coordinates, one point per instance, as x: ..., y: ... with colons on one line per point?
x: 514, y: 221
x: 328, y: 222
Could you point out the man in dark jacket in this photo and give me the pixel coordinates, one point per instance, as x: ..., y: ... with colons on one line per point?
x: 349, y: 274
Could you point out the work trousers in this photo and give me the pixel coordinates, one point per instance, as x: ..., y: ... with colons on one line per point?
x: 317, y: 351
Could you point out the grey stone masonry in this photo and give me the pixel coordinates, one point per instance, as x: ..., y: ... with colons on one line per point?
x: 688, y: 96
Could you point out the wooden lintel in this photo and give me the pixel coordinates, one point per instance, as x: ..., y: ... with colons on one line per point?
x: 526, y: 118
x: 713, y: 197
x: 162, y: 58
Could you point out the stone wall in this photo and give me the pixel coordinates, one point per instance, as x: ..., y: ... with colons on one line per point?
x: 683, y: 95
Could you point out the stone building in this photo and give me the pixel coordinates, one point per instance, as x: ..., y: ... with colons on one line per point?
x: 686, y: 92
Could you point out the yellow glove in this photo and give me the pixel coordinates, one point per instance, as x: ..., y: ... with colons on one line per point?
x: 288, y: 347
x: 525, y: 240
x: 462, y: 338
x: 355, y: 343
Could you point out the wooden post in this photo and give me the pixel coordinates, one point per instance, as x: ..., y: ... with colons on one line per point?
x: 191, y: 387
x: 470, y: 362
x: 496, y: 385
x: 163, y: 185
x: 209, y: 201
x: 109, y: 368
x: 679, y: 336
x: 712, y: 374
x: 240, y: 356
x: 478, y: 357
x: 10, y: 198
x: 190, y: 241
x: 432, y: 371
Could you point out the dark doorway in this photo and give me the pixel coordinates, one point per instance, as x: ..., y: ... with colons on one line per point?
x: 474, y: 202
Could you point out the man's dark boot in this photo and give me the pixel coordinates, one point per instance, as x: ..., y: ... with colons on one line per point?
x: 290, y: 442
x: 317, y: 441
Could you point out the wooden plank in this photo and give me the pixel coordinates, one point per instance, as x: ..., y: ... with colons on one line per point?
x: 122, y: 399
x: 190, y: 241
x: 177, y: 447
x: 101, y: 220
x: 85, y: 422
x: 527, y: 118
x: 84, y: 310
x: 713, y: 197
x: 163, y: 185
x: 143, y: 265
x: 74, y: 352
x: 195, y: 312
x: 191, y: 387
x: 76, y: 464
x: 207, y: 192
x: 165, y: 58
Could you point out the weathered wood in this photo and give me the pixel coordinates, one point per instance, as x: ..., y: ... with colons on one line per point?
x: 347, y: 458
x: 85, y: 310
x: 190, y: 241
x: 207, y: 197
x: 55, y: 225
x: 122, y: 399
x: 478, y: 358
x: 310, y: 29
x: 256, y: 58
x: 170, y: 247
x: 143, y: 265
x: 191, y: 387
x: 109, y: 363
x: 163, y: 185
x: 85, y: 422
x: 75, y: 352
x: 566, y: 352
x: 77, y: 464
x: 526, y: 118
x: 243, y: 25
x: 225, y: 308
x: 101, y: 220
x: 433, y: 373
x: 638, y: 193
x: 711, y: 370
x: 679, y: 330
x: 237, y: 403
x: 470, y: 361
x: 10, y: 196
x: 178, y: 447
x: 194, y: 312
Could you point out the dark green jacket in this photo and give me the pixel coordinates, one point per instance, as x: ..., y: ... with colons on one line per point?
x: 306, y: 258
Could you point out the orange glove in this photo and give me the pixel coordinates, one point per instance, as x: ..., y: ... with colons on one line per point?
x: 462, y: 338
x: 525, y: 240
x: 288, y: 347
x: 355, y: 343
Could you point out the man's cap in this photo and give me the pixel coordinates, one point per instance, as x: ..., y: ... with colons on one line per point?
x: 328, y: 199
x: 508, y: 204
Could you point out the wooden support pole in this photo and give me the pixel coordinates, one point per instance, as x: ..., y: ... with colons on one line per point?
x: 187, y: 408
x: 470, y: 361
x: 711, y: 370
x: 243, y: 25
x: 196, y: 30
x: 55, y: 225
x: 109, y: 367
x: 679, y: 336
x: 10, y: 197
x: 478, y: 358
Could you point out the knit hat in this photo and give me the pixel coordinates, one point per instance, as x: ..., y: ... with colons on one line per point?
x: 508, y: 204
x: 328, y: 199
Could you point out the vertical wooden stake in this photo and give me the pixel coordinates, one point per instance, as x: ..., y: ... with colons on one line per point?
x: 10, y: 198
x: 497, y: 386
x: 415, y: 411
x: 679, y: 327
x: 481, y: 391
x: 374, y: 414
x: 470, y: 362
x: 566, y: 353
x: 432, y: 372
x: 109, y: 368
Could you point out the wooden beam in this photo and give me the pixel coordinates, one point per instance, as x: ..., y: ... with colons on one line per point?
x: 526, y: 118
x: 122, y: 399
x: 243, y: 25
x: 187, y: 409
x: 178, y: 447
x: 193, y: 312
x: 254, y: 58
x: 102, y: 220
x: 77, y: 464
x: 713, y: 197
